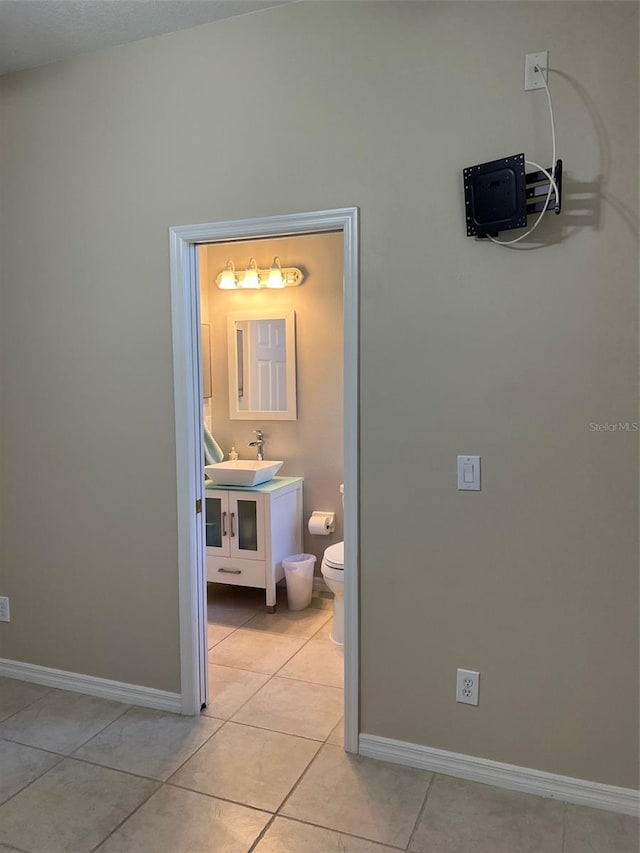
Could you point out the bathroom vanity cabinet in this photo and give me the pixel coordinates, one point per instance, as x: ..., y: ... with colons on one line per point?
x: 249, y: 531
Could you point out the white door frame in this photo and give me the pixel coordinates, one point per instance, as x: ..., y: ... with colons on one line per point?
x: 189, y: 452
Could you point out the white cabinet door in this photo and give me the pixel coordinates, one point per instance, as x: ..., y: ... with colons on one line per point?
x: 246, y: 526
x: 234, y: 525
x: 216, y: 508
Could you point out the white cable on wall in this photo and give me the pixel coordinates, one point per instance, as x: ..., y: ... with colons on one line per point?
x: 550, y: 176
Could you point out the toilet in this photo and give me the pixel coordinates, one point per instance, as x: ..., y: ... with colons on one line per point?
x: 333, y: 573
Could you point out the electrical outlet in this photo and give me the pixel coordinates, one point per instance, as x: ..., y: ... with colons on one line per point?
x: 5, y: 616
x: 534, y: 79
x: 467, y: 686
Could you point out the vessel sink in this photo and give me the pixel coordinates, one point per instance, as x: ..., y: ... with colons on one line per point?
x: 242, y: 472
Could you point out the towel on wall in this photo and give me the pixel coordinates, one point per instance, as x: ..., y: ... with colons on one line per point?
x: 212, y: 450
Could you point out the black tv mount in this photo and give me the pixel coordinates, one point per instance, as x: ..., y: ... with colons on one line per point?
x: 499, y: 195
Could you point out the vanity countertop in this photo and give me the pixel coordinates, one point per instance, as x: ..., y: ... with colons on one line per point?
x: 272, y: 486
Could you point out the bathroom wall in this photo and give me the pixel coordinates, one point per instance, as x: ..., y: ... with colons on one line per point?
x: 311, y: 446
x: 465, y: 347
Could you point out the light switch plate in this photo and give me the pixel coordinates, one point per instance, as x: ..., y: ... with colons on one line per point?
x: 469, y: 473
x: 5, y: 614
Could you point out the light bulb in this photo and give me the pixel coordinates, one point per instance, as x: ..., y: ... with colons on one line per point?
x: 228, y: 277
x: 275, y: 274
x: 251, y: 279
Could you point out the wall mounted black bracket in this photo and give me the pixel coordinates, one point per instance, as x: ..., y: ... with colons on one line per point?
x: 499, y: 195
x: 538, y: 188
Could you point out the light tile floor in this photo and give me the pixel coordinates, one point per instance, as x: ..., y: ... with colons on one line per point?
x: 262, y: 769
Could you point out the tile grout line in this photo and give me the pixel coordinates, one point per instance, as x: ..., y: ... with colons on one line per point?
x: 261, y: 672
x: 124, y: 820
x: 305, y: 681
x: 307, y: 640
x: 38, y: 748
x: 65, y: 756
x: 421, y: 812
x: 293, y: 788
x: 233, y: 631
x: 262, y: 833
x: 110, y: 723
x: 93, y: 763
x: 269, y: 678
x: 175, y: 787
x: 29, y: 704
x: 80, y: 745
x: 196, y: 751
x: 160, y: 784
x: 305, y: 771
x: 29, y: 784
x: 342, y: 832
x: 275, y: 731
x: 257, y: 631
x: 61, y: 756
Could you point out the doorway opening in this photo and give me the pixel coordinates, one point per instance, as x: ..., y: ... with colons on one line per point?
x: 190, y: 339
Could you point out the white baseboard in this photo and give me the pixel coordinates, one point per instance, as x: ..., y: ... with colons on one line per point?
x: 565, y: 788
x: 119, y: 691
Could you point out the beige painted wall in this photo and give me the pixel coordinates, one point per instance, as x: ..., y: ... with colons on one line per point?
x: 310, y: 446
x: 465, y: 347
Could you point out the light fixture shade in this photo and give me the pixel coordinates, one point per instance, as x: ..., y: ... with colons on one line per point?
x: 251, y: 278
x: 275, y: 274
x: 228, y: 277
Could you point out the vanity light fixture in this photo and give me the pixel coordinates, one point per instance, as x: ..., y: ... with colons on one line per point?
x: 253, y: 278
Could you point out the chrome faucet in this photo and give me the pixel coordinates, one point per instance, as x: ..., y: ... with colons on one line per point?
x: 258, y: 444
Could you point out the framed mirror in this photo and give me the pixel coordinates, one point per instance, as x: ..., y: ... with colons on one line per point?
x: 262, y: 365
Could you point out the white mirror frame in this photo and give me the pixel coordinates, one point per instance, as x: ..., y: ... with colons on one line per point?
x: 236, y: 414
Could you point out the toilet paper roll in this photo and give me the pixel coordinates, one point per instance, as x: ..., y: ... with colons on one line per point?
x: 322, y: 523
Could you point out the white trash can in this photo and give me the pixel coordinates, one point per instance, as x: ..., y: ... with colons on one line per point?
x: 298, y: 571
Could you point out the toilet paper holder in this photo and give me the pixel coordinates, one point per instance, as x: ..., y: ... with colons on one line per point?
x: 322, y: 523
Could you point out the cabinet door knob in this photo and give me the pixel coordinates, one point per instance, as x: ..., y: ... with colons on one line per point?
x: 231, y: 571
x: 233, y: 533
x: 224, y: 523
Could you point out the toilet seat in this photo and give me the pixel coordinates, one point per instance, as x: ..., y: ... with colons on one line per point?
x: 334, y: 575
x: 334, y: 556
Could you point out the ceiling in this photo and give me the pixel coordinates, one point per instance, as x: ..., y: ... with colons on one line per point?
x: 35, y: 32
